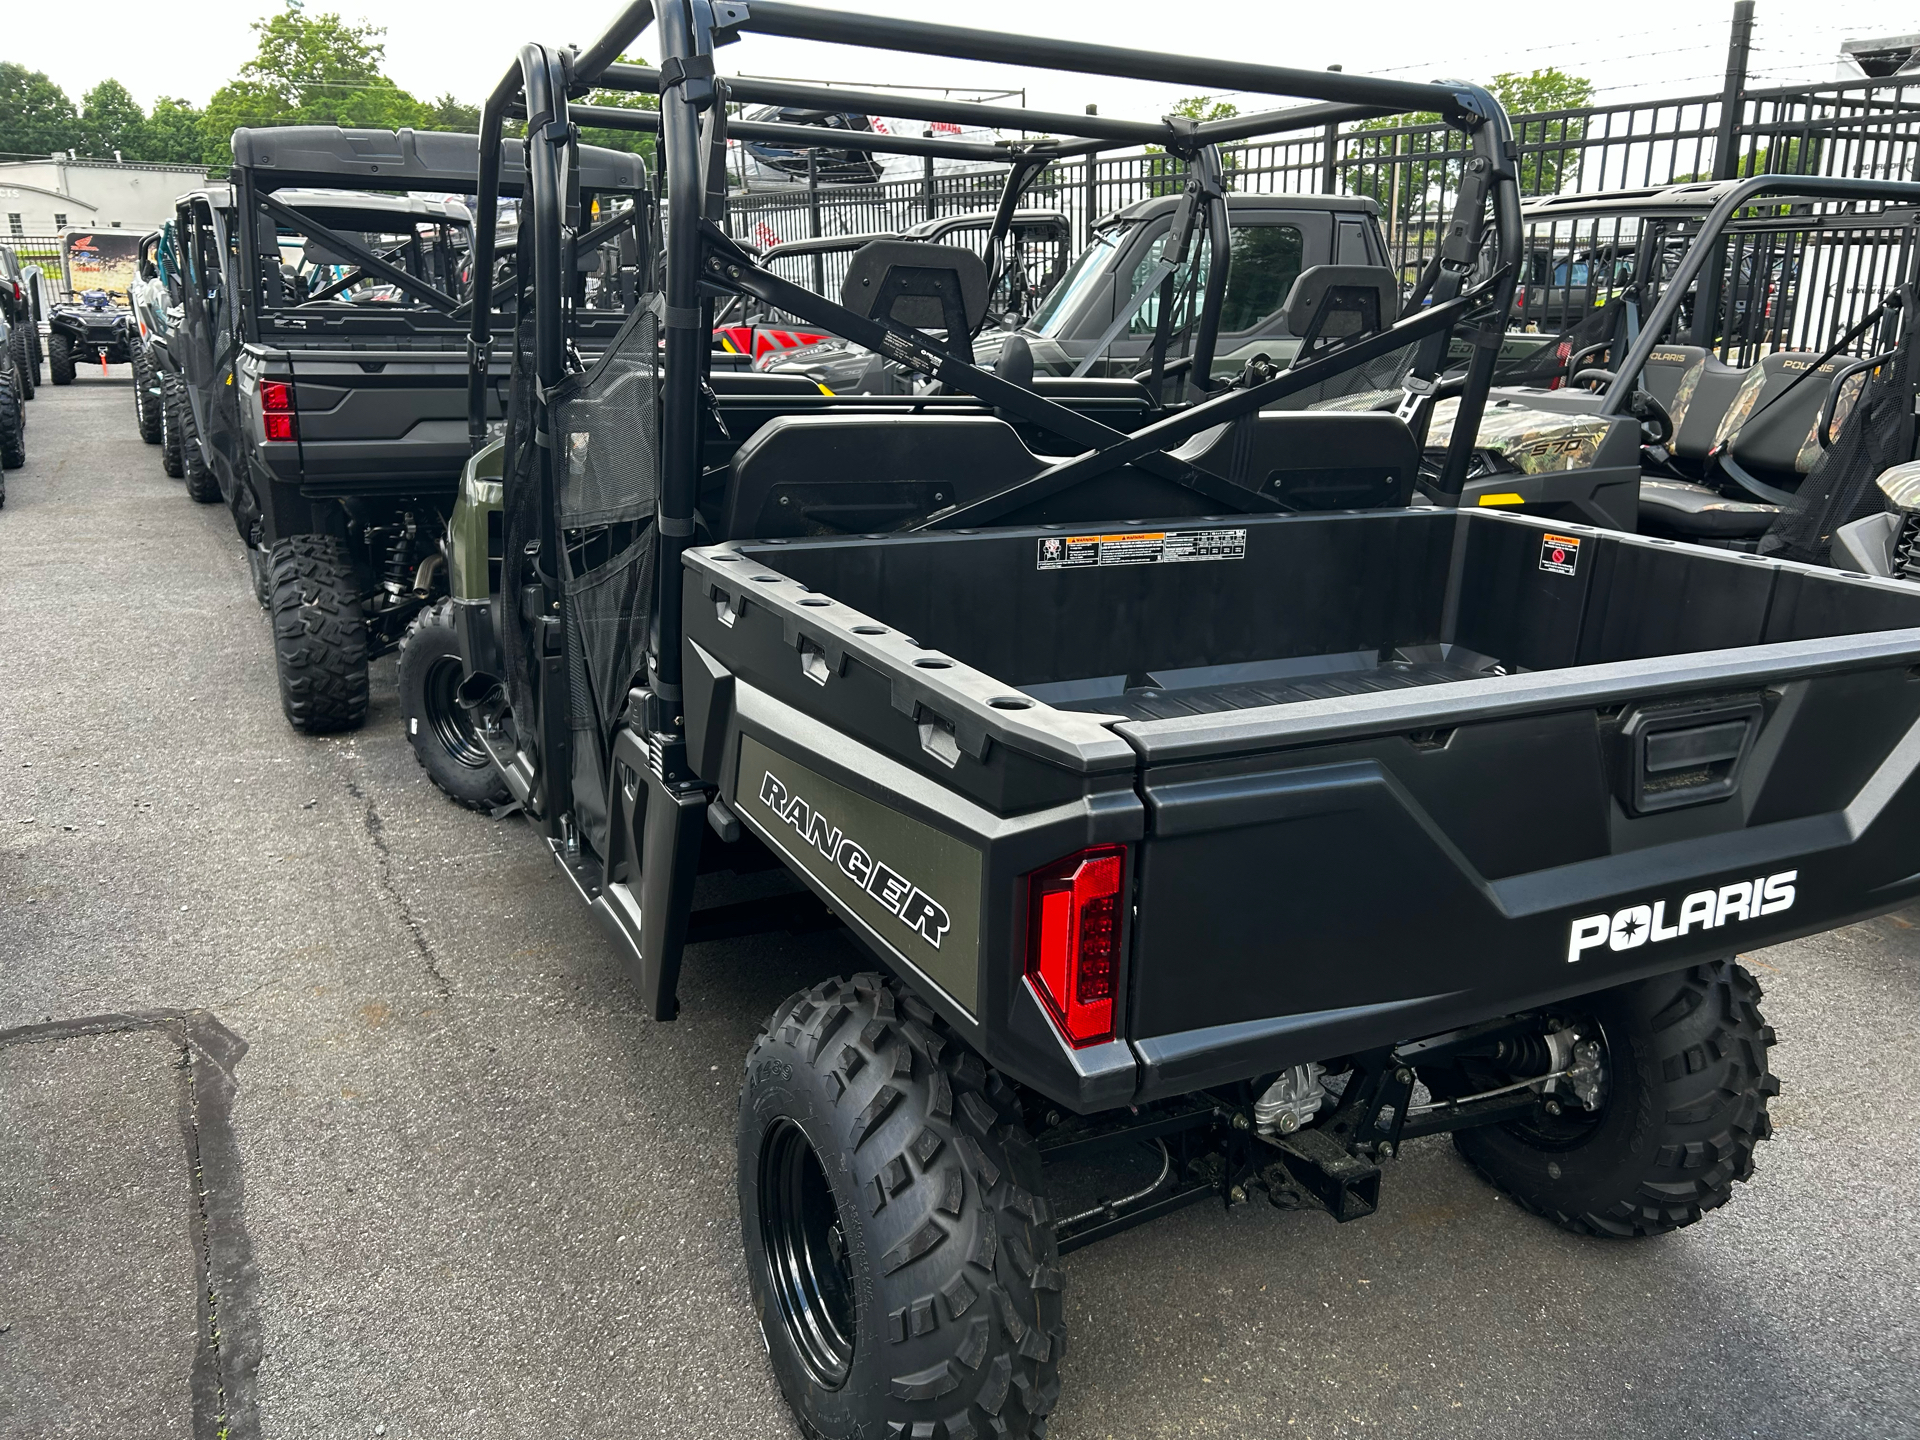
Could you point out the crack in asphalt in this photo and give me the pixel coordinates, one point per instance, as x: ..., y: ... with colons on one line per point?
x: 229, y: 1349
x: 383, y: 870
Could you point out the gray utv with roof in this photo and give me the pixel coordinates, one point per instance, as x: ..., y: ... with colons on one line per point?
x: 324, y: 348
x: 1216, y: 788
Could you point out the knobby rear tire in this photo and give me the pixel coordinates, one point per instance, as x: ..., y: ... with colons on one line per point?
x: 24, y: 368
x: 60, y: 362
x: 202, y: 487
x: 170, y: 427
x: 319, y: 635
x: 957, y: 1327
x: 1685, y: 1108
x: 13, y: 422
x: 146, y: 406
x: 430, y: 669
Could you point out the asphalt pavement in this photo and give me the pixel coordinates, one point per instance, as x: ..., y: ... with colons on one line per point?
x: 326, y: 1111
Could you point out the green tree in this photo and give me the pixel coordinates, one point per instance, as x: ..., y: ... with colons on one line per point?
x: 112, y: 120
x: 447, y: 113
x: 310, y: 70
x: 36, y: 117
x: 633, y: 142
x: 1404, y: 161
x: 176, y: 133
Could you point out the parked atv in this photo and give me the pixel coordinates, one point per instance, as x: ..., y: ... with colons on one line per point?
x: 93, y: 328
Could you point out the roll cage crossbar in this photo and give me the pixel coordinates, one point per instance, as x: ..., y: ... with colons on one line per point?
x: 703, y: 263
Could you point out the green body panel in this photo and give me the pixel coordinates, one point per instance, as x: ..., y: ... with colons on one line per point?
x: 481, y: 495
x: 927, y: 912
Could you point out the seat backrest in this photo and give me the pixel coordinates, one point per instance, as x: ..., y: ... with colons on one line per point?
x: 758, y: 382
x: 915, y: 283
x: 1771, y: 426
x: 1313, y: 459
x: 810, y: 474
x: 1333, y: 302
x: 1704, y: 389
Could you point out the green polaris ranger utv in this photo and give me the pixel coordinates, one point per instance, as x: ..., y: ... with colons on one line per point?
x: 1174, y: 760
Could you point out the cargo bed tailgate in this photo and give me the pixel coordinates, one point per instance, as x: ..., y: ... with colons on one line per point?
x: 1359, y: 870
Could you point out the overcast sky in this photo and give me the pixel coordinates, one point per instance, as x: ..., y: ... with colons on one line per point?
x: 462, y: 46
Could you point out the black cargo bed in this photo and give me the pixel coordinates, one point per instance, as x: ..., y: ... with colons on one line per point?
x: 1203, y: 692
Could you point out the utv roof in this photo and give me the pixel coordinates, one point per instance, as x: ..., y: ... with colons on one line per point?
x: 1164, y: 205
x: 405, y: 160
x: 973, y: 219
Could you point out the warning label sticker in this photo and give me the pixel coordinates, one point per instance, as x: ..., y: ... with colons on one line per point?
x: 1157, y: 547
x: 1560, y: 554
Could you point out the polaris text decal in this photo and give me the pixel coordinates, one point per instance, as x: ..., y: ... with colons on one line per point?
x: 1634, y: 926
x: 896, y: 894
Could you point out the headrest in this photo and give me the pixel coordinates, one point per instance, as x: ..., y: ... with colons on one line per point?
x: 909, y: 281
x: 1016, y: 361
x: 315, y: 252
x: 1344, y: 291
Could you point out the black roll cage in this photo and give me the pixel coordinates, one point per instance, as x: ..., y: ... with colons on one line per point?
x: 703, y: 263
x: 1719, y: 220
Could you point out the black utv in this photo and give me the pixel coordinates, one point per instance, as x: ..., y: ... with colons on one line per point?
x: 1213, y: 781
x: 323, y: 345
x: 19, y: 309
x: 13, y: 403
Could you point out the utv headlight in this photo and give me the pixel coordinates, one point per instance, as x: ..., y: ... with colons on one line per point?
x: 1901, y: 486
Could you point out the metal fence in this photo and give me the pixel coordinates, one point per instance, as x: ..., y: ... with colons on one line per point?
x: 1411, y: 166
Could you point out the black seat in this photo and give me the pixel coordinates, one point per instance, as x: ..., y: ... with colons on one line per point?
x: 1313, y: 459
x: 1330, y: 303
x: 758, y: 382
x: 930, y: 287
x: 1682, y: 509
x: 1771, y: 426
x: 1697, y: 388
x: 804, y: 474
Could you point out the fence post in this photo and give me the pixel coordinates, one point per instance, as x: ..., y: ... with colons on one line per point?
x: 1726, y: 144
x: 1090, y: 200
x: 1330, y: 150
x: 813, y: 219
x: 926, y: 183
x: 1726, y: 166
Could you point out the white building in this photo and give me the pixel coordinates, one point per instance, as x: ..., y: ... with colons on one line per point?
x: 44, y: 197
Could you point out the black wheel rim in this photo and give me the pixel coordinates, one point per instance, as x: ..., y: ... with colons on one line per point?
x: 807, y: 1254
x: 448, y: 721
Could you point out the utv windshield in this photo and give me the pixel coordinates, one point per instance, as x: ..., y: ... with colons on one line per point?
x: 1085, y: 273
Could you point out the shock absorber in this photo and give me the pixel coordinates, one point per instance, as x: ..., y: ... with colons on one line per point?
x: 401, y: 558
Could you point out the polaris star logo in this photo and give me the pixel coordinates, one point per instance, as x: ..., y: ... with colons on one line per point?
x: 895, y: 893
x: 1634, y: 926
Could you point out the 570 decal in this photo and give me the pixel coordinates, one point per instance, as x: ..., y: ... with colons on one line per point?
x: 1636, y: 925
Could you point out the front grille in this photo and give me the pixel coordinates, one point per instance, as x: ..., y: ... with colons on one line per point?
x: 1906, y: 549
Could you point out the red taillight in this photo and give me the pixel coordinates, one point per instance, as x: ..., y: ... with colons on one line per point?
x: 1073, y: 940
x: 276, y: 410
